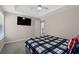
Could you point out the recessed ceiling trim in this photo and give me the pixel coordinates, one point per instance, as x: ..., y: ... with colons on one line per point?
x: 43, y: 14
x: 31, y: 12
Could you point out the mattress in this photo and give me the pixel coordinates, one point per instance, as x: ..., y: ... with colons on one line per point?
x: 47, y: 44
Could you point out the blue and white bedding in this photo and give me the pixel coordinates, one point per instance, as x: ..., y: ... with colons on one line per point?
x: 47, y: 45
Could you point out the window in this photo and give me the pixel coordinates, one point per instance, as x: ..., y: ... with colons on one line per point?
x: 1, y: 25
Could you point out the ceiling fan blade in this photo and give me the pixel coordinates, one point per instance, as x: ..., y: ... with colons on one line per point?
x: 39, y: 5
x: 45, y: 7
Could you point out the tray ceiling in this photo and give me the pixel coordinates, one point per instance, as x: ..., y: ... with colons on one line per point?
x: 31, y: 10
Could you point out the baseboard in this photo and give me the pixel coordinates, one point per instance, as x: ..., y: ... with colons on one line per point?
x: 15, y: 41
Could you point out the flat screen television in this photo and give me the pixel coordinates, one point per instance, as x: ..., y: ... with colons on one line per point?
x: 23, y: 21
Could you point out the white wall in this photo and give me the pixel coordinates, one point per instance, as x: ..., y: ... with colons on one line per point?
x: 14, y: 32
x: 37, y: 28
x: 63, y: 24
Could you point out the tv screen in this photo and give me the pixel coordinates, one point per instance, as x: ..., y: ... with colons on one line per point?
x: 23, y: 21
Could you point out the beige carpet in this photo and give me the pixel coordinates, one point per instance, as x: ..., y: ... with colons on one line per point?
x: 15, y: 48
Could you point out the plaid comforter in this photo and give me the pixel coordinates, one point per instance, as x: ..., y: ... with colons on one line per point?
x: 47, y: 45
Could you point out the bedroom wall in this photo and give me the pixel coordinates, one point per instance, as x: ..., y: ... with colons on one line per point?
x: 64, y: 23
x: 37, y: 28
x: 14, y: 32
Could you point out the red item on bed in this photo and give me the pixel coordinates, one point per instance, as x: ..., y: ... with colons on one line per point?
x: 72, y: 42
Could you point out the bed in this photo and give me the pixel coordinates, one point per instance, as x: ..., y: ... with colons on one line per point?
x: 47, y: 44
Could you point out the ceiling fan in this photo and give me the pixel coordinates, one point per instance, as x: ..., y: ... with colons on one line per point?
x: 39, y: 7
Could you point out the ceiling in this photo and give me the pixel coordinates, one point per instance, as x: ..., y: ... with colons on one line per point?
x: 30, y: 10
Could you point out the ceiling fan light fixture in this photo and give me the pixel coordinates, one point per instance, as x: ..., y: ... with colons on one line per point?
x: 39, y: 8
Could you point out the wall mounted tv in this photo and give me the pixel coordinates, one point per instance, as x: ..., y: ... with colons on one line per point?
x: 23, y: 21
